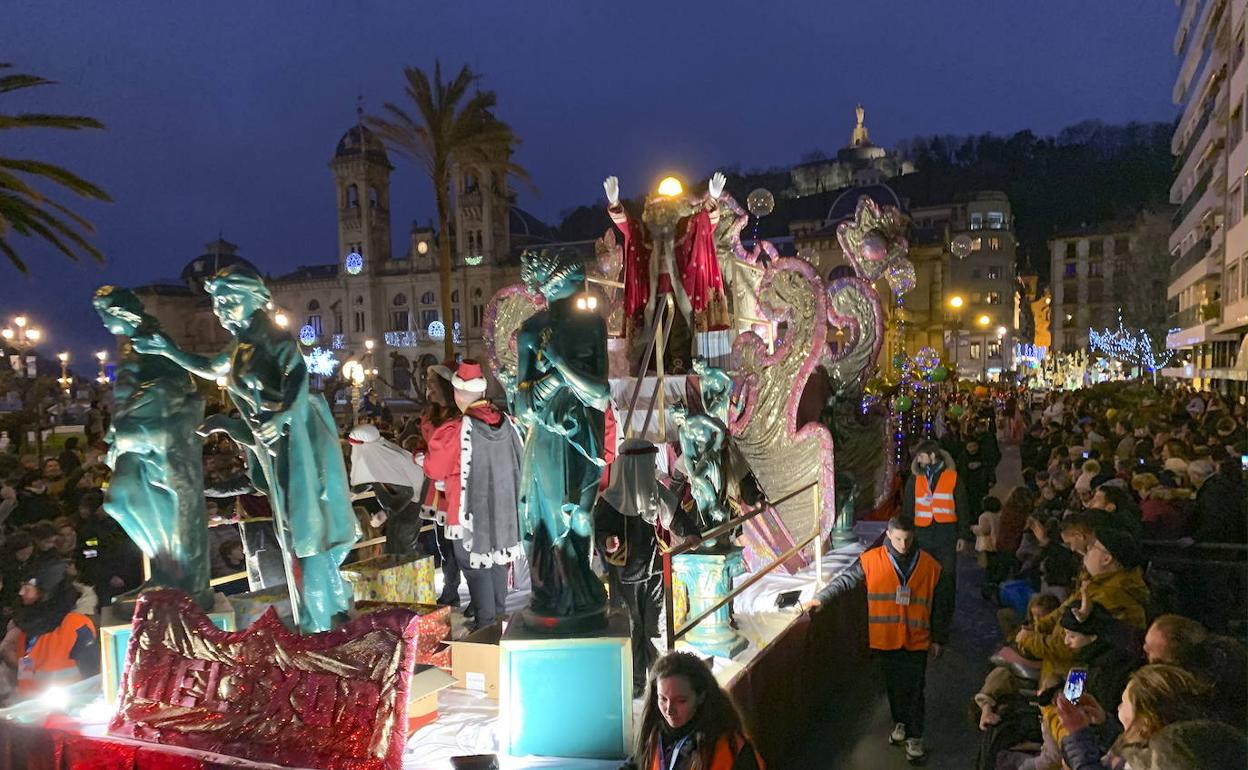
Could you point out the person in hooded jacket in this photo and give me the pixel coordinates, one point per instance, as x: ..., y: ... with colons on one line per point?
x: 935, y: 498
x: 48, y: 643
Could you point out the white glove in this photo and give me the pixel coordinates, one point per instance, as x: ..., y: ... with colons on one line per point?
x: 611, y: 186
x: 716, y: 186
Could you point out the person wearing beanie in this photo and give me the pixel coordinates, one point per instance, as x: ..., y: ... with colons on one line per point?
x: 48, y: 643
x: 1114, y: 581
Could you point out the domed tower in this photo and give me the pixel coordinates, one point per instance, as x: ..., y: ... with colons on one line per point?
x: 362, y: 181
x: 482, y: 199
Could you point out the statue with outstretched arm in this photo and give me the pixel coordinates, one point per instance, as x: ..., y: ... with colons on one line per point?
x: 156, y: 491
x: 293, y: 455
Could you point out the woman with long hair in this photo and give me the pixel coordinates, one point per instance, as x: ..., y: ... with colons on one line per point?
x: 688, y: 722
x: 1157, y: 695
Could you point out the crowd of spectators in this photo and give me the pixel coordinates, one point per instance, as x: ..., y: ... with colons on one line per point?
x: 1122, y: 555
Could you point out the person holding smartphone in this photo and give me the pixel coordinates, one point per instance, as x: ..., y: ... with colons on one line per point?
x: 901, y: 581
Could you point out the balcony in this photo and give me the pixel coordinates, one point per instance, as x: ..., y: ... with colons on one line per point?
x: 1194, y: 325
x: 1197, y: 134
x: 1190, y: 257
x: 1192, y: 199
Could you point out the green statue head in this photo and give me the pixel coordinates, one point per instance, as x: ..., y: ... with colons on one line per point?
x: 122, y: 312
x: 237, y: 293
x: 556, y: 274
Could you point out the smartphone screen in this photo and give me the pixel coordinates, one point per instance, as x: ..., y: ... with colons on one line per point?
x: 1243, y: 462
x: 1074, y: 684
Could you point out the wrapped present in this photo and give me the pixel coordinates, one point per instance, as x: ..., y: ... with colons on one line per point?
x: 115, y: 641
x: 250, y: 606
x: 390, y: 578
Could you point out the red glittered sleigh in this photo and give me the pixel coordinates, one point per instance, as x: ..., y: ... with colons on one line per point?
x: 337, y: 699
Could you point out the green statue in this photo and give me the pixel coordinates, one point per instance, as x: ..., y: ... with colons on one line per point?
x: 702, y: 438
x: 293, y: 455
x: 156, y: 492
x: 561, y: 393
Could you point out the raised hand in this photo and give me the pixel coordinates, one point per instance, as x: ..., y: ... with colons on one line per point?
x: 611, y: 186
x: 151, y: 344
x: 716, y: 185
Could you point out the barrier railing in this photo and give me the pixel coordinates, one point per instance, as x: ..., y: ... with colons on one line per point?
x: 671, y: 632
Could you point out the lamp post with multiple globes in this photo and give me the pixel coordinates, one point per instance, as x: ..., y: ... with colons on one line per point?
x: 22, y: 337
x: 955, y: 303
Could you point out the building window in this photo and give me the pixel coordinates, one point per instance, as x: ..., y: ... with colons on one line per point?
x: 993, y: 298
x: 975, y: 350
x: 399, y: 321
x: 994, y: 272
x: 359, y: 300
x: 478, y: 315
x: 1236, y: 206
x: 400, y: 300
x: 373, y: 197
x: 977, y: 244
x: 426, y: 298
x: 315, y: 322
x: 353, y: 196
x: 314, y: 306
x: 994, y: 349
x: 1232, y: 283
x: 427, y: 317
x: 977, y: 221
x: 358, y: 322
x: 996, y: 220
x: 994, y: 243
x: 455, y: 296
x: 1069, y: 271
x: 1096, y: 269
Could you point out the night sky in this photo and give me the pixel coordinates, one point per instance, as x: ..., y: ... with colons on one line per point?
x: 223, y: 116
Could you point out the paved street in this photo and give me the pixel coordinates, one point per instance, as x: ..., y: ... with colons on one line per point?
x: 855, y: 725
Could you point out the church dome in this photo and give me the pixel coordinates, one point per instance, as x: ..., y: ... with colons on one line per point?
x: 360, y: 141
x: 217, y: 255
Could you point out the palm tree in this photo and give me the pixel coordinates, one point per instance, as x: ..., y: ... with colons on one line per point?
x: 23, y: 208
x: 451, y: 127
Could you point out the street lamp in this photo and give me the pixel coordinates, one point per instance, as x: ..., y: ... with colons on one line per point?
x: 64, y: 380
x: 369, y: 369
x: 354, y: 372
x: 984, y: 321
x: 956, y: 303
x: 22, y: 337
x: 102, y: 357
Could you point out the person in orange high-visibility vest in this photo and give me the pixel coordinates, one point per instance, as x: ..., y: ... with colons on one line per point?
x: 47, y: 642
x: 900, y: 579
x: 935, y: 498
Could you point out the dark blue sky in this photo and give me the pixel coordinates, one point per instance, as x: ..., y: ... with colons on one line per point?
x: 225, y: 115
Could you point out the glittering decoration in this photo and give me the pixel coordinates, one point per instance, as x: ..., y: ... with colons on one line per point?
x: 854, y: 308
x: 875, y: 245
x: 1131, y: 348
x: 785, y: 458
x: 321, y: 362
x: 329, y: 700
x: 307, y: 334
x: 510, y: 307
x: 456, y: 334
x: 436, y: 331
x: 354, y: 263
x: 338, y: 342
x: 926, y: 359
x: 404, y: 339
x: 760, y: 202
x: 474, y: 260
x: 961, y: 246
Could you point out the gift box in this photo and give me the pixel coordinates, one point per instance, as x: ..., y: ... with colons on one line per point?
x: 250, y: 606
x: 390, y: 578
x: 115, y: 641
x: 422, y: 699
x: 433, y: 626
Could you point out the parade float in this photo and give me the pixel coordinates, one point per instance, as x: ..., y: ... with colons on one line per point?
x: 678, y: 338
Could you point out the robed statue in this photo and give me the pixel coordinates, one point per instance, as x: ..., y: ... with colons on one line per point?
x: 561, y: 392
x: 291, y: 441
x: 156, y: 492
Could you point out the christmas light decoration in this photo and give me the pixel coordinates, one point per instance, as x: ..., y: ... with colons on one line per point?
x: 437, y: 331
x: 321, y: 361
x: 404, y: 339
x: 474, y: 260
x: 307, y: 334
x: 1134, y: 348
x: 354, y: 263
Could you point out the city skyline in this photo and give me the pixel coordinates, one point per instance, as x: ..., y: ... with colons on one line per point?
x: 226, y: 123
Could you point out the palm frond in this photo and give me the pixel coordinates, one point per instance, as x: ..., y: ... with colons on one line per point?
x: 8, y: 251
x: 18, y: 81
x: 41, y: 120
x: 56, y: 174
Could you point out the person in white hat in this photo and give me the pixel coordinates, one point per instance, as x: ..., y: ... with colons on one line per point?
x: 476, y: 457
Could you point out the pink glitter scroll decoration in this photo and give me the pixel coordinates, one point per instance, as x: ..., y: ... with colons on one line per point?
x: 504, y: 313
x: 785, y: 459
x: 854, y: 308
x: 336, y: 699
x: 761, y: 246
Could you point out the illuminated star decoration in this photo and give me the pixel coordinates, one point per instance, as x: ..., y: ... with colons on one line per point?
x: 321, y: 361
x: 307, y: 335
x: 354, y: 263
x: 874, y: 244
x: 1134, y: 348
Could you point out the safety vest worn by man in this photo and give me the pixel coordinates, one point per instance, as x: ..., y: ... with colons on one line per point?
x: 899, y: 616
x: 48, y: 660
x: 935, y: 504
